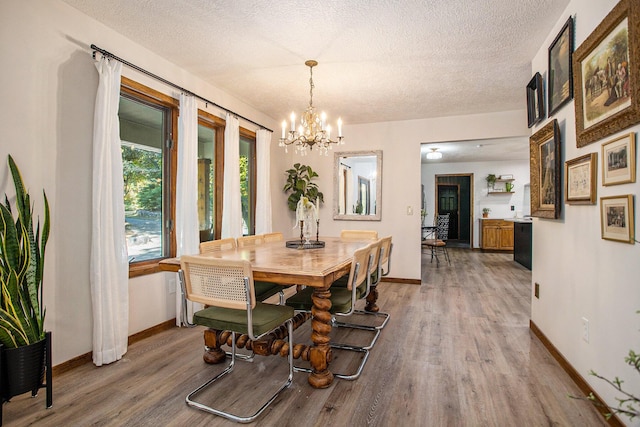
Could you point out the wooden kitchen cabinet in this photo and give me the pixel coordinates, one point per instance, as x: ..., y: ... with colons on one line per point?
x: 496, y: 234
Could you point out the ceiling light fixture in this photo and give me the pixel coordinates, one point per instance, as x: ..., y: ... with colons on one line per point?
x: 313, y: 130
x: 434, y: 154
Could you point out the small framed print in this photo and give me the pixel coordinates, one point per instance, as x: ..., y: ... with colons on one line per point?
x: 580, y: 180
x: 535, y: 102
x: 616, y: 218
x: 619, y: 160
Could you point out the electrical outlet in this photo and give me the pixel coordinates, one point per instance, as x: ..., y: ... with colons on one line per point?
x: 536, y: 290
x: 409, y: 210
x: 513, y: 208
x: 585, y: 329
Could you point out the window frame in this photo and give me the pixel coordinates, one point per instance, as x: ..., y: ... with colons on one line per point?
x: 247, y: 134
x: 146, y: 94
x: 211, y: 121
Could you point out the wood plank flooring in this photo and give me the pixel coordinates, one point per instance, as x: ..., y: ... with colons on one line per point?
x: 456, y: 352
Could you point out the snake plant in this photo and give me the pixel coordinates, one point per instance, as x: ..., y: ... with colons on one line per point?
x: 21, y: 268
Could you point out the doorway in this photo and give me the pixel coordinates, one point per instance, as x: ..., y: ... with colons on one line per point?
x: 453, y: 197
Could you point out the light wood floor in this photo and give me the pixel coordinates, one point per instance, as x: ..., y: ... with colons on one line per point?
x: 457, y: 352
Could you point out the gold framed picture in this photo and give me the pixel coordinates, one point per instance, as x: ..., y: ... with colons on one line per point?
x: 545, y: 169
x: 580, y: 180
x: 616, y: 218
x: 605, y: 77
x: 619, y: 160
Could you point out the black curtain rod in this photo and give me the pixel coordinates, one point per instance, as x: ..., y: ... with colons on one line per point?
x: 167, y: 82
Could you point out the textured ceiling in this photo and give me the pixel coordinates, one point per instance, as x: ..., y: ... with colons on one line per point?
x: 379, y: 60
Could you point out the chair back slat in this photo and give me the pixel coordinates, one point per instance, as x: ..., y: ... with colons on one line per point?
x: 359, y: 267
x: 375, y: 256
x: 442, y: 227
x: 385, y: 255
x: 217, y: 245
x: 358, y: 234
x: 247, y: 241
x: 218, y: 282
x: 273, y: 237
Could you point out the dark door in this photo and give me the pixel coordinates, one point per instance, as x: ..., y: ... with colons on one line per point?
x: 449, y: 203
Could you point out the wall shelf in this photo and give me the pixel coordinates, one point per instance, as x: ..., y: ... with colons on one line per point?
x: 500, y: 186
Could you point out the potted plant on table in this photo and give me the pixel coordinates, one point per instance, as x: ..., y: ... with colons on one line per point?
x: 485, y: 212
x: 299, y: 183
x: 24, y: 345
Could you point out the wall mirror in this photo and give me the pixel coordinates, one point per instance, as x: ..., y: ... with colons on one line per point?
x: 357, y: 185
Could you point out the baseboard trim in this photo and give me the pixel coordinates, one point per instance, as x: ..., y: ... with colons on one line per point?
x: 396, y: 280
x: 88, y: 357
x: 582, y: 384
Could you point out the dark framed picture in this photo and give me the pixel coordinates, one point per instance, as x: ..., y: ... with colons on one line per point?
x: 535, y: 102
x: 619, y: 160
x: 580, y: 180
x: 560, y: 80
x: 544, y: 148
x: 605, y: 75
x: 617, y: 218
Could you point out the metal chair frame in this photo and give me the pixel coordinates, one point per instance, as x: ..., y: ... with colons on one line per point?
x: 359, y: 272
x: 250, y: 304
x: 440, y: 240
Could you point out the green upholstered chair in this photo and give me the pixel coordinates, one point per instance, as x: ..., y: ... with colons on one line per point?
x: 227, y: 288
x: 342, y: 302
x: 380, y: 257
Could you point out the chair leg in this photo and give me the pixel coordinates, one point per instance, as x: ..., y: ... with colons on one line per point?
x: 446, y: 254
x: 238, y: 418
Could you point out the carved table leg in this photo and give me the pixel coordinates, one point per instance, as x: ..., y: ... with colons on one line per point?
x: 371, y: 306
x: 320, y: 354
x: 213, y: 341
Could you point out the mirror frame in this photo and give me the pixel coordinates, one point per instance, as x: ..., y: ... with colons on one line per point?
x: 336, y: 168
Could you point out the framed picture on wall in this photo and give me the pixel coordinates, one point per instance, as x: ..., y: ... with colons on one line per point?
x: 535, y: 102
x: 560, y: 80
x: 605, y: 75
x: 580, y: 180
x: 545, y: 169
x: 619, y: 160
x: 616, y: 218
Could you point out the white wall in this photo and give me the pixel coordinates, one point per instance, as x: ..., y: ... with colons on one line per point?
x: 581, y: 275
x: 48, y: 91
x: 500, y: 204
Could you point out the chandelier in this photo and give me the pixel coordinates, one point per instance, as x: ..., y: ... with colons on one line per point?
x: 313, y: 130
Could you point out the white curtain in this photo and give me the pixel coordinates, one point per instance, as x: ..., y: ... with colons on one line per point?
x: 231, y: 204
x: 187, y: 236
x: 109, y: 269
x: 263, y: 182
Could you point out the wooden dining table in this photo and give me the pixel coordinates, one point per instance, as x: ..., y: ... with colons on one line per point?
x: 318, y: 268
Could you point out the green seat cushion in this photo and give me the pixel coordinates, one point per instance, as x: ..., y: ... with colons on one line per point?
x: 265, y: 289
x: 340, y: 300
x: 265, y: 318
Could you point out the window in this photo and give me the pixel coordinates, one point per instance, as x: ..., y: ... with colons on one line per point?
x: 210, y: 175
x: 248, y: 180
x: 147, y: 123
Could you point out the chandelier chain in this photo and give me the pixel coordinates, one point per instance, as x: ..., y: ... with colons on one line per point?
x: 311, y: 87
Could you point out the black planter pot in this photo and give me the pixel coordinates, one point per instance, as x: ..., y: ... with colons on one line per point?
x: 23, y: 369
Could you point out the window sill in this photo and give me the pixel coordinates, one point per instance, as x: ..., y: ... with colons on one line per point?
x: 144, y: 268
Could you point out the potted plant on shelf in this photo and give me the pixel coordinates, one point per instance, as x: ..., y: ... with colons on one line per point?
x: 24, y: 345
x: 491, y: 181
x: 299, y: 184
x: 485, y: 212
